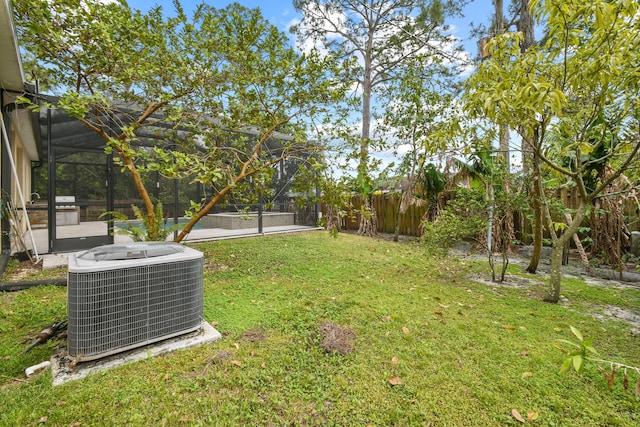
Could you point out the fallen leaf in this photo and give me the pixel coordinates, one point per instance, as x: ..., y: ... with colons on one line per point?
x: 387, y: 334
x: 509, y: 328
x: 236, y: 345
x: 524, y: 353
x: 394, y: 360
x: 214, y: 324
x: 443, y: 306
x: 166, y: 377
x: 60, y: 403
x: 523, y: 328
x: 43, y: 420
x: 395, y: 381
x: 405, y: 329
x: 76, y: 424
x: 425, y: 324
x: 625, y: 382
x: 517, y: 415
x: 609, y: 377
x: 532, y: 416
x: 527, y: 375
x: 439, y: 313
x: 264, y: 365
x: 236, y: 362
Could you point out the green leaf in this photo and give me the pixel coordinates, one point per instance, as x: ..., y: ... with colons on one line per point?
x: 592, y: 350
x: 568, y: 343
x: 577, y: 363
x: 577, y: 333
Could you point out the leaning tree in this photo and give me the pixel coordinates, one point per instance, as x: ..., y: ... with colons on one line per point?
x: 224, y: 81
x: 579, y: 86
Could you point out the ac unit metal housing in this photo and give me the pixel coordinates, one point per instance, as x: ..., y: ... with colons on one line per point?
x: 125, y: 296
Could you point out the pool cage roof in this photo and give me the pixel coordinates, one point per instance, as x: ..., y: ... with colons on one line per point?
x: 68, y: 135
x: 67, y: 131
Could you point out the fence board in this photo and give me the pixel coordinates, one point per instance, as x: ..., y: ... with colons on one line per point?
x: 387, y: 205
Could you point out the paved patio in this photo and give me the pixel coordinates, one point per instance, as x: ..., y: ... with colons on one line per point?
x: 85, y: 229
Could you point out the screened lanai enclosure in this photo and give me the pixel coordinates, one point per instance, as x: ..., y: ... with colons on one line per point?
x: 80, y: 184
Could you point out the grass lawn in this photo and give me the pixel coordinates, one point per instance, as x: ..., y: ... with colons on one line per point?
x: 420, y: 344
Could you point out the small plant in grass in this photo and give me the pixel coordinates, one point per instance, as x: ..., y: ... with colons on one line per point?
x: 584, y: 351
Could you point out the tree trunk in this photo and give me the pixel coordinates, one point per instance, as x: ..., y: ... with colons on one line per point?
x: 536, y: 195
x: 525, y: 26
x: 555, y: 277
x: 368, y: 219
x: 504, y: 147
x: 576, y: 240
x: 529, y: 160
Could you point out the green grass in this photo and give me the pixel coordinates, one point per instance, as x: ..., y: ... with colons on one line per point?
x: 460, y: 359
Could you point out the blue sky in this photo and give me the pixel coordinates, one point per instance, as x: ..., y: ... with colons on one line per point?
x: 281, y: 13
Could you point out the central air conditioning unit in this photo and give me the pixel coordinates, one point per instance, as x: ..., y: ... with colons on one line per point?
x: 124, y: 296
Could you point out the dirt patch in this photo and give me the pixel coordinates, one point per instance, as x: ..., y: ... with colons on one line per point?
x: 22, y: 270
x: 608, y: 283
x: 216, y: 267
x: 612, y: 312
x: 222, y: 356
x: 257, y: 334
x: 510, y: 281
x: 336, y: 338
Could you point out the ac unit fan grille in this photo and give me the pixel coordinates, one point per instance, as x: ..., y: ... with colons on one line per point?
x: 114, y: 310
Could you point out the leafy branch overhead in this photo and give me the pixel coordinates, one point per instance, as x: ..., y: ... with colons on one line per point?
x: 215, y: 98
x: 572, y: 98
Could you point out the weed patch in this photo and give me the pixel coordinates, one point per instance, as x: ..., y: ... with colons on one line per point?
x: 336, y: 338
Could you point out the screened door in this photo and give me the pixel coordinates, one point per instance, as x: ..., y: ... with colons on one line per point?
x: 80, y: 196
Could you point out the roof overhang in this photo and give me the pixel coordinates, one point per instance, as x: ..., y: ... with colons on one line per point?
x: 11, y: 72
x: 22, y: 122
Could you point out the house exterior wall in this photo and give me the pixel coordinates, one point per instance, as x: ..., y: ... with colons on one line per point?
x: 17, y: 126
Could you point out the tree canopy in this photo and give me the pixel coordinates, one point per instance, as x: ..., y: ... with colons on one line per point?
x: 223, y: 81
x: 574, y: 97
x: 377, y: 39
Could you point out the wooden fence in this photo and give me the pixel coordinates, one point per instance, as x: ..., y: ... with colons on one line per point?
x: 387, y: 205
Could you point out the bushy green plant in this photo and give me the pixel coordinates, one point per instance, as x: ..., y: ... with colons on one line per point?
x: 463, y: 218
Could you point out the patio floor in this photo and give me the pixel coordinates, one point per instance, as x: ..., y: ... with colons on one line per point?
x: 85, y: 229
